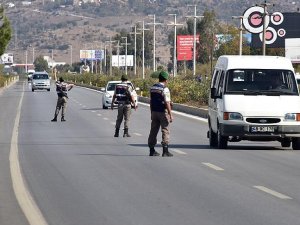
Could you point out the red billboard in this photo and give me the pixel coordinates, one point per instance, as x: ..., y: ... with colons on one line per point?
x: 185, y: 44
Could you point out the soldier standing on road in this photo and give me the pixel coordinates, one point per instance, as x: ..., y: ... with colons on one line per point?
x: 124, y: 97
x: 62, y: 89
x: 161, y: 115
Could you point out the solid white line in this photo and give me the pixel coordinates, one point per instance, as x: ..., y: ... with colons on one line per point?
x: 178, y: 151
x: 137, y: 134
x: 25, y: 200
x: 272, y: 192
x: 212, y: 166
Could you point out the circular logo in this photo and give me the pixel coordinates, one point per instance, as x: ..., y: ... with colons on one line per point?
x: 281, y: 32
x: 253, y: 19
x: 271, y: 35
x: 277, y: 18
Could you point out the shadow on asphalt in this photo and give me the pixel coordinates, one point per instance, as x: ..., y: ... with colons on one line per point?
x: 185, y: 146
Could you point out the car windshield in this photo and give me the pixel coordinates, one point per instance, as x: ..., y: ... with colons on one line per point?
x: 40, y: 76
x: 112, y: 86
x: 260, y: 82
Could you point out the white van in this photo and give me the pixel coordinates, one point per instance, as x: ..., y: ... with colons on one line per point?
x: 254, y: 98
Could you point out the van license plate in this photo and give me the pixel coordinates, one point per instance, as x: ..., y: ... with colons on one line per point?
x: 262, y: 129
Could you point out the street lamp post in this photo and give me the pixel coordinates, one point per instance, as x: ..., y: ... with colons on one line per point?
x: 241, y: 32
x: 135, y: 33
x: 175, y: 24
x: 154, y: 25
x: 194, y: 41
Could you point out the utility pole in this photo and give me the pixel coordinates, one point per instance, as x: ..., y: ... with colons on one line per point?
x: 194, y: 41
x: 154, y: 25
x: 143, y: 32
x: 175, y: 24
x: 135, y: 33
x: 241, y: 32
x: 126, y: 44
x: 118, y: 52
x: 71, y: 50
x: 110, y: 49
x: 33, y: 55
x: 264, y: 5
x: 26, y: 66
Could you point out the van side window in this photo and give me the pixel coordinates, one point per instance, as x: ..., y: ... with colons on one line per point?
x: 215, y: 79
x: 220, y: 83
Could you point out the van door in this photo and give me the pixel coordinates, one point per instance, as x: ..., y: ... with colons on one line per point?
x: 216, y: 98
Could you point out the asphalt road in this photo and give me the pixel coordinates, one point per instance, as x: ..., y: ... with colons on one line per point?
x: 79, y: 174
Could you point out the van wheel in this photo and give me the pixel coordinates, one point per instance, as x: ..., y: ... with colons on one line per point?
x: 104, y: 107
x: 296, y: 143
x: 213, y: 139
x: 48, y: 89
x: 285, y: 143
x: 222, y: 140
x: 32, y: 90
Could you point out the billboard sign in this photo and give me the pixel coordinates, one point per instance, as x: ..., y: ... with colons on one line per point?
x: 279, y: 26
x: 185, y: 44
x: 120, y: 61
x: 92, y: 55
x: 7, y: 59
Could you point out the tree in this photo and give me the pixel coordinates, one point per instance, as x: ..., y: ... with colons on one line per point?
x: 40, y: 64
x: 5, y: 31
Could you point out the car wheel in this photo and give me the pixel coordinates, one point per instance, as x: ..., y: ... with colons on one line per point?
x: 48, y: 89
x: 104, y: 107
x: 296, y: 143
x: 213, y: 139
x: 285, y: 143
x: 32, y: 90
x: 222, y: 140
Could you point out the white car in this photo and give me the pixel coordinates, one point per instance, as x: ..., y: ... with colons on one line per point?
x: 40, y: 80
x: 109, y: 90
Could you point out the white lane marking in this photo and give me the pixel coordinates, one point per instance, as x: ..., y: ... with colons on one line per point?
x: 113, y: 123
x: 212, y: 166
x: 93, y: 111
x: 105, y: 118
x: 137, y: 134
x: 84, y: 106
x: 182, y: 114
x: 25, y: 200
x: 272, y: 192
x: 99, y: 114
x: 178, y: 151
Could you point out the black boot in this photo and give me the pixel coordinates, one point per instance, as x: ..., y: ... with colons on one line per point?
x: 63, y: 119
x: 54, y: 119
x: 117, y: 132
x: 153, y: 152
x: 126, y: 134
x: 166, y: 152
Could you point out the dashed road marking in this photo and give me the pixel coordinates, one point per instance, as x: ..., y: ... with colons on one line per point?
x: 137, y: 134
x: 99, y: 114
x: 93, y: 111
x: 178, y: 151
x: 212, y: 166
x: 113, y: 123
x: 105, y: 118
x: 272, y: 192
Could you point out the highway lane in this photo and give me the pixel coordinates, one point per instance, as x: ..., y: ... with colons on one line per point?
x: 79, y: 174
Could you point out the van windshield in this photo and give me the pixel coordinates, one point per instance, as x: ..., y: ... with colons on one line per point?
x: 260, y: 82
x: 40, y: 76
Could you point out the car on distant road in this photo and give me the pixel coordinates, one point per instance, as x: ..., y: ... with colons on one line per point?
x: 40, y: 81
x: 109, y: 90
